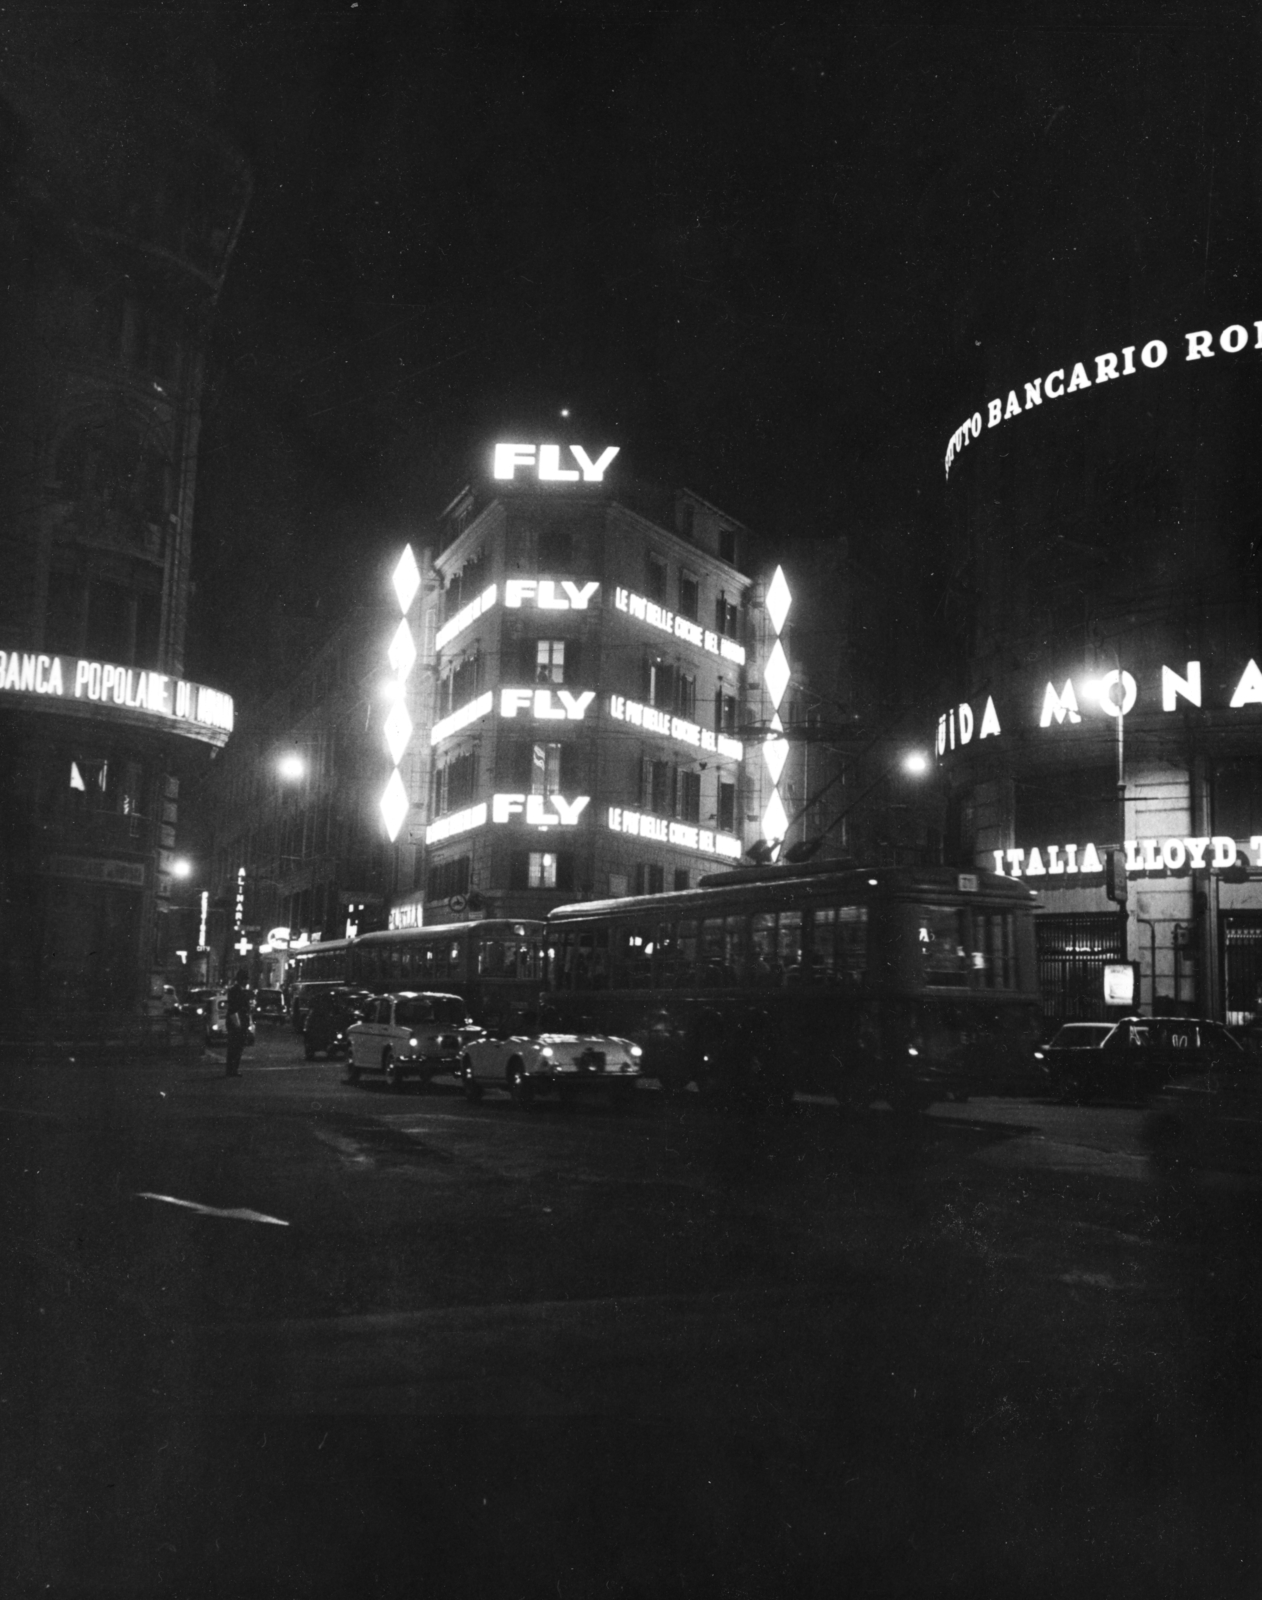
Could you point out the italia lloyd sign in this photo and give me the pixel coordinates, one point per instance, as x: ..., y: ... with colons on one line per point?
x: 1203, y: 853
x: 546, y: 463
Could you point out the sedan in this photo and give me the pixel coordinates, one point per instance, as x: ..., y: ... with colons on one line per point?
x: 409, y: 1035
x: 1139, y: 1055
x: 528, y: 1064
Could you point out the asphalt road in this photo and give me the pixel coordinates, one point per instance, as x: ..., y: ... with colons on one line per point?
x: 285, y: 1335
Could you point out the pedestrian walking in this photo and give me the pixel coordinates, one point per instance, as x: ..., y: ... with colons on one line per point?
x: 238, y: 1020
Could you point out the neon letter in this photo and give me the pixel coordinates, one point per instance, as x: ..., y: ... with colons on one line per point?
x: 593, y: 471
x: 1172, y: 685
x: 508, y: 457
x: 550, y: 468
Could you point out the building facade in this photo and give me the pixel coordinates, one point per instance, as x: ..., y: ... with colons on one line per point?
x: 564, y: 697
x: 116, y: 261
x: 1107, y: 743
x: 592, y: 675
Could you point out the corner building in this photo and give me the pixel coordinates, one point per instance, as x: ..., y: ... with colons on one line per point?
x: 117, y: 264
x: 1106, y: 514
x: 591, y: 669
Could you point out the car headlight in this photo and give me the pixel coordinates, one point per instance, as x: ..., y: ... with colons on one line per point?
x: 546, y: 1050
x: 636, y: 1051
x: 413, y: 1044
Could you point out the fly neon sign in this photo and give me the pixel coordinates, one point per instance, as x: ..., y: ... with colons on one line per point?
x: 544, y: 462
x: 536, y: 810
x: 546, y: 705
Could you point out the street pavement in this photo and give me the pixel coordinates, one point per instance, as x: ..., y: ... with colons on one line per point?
x: 288, y: 1335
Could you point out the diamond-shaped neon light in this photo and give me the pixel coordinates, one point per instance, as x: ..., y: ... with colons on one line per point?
x: 407, y: 579
x: 778, y: 600
x: 776, y: 674
x: 775, y: 820
x: 398, y: 730
x: 394, y: 804
x: 775, y: 753
x: 402, y: 652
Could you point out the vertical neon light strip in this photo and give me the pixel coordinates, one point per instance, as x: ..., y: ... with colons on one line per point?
x: 776, y: 675
x: 398, y: 724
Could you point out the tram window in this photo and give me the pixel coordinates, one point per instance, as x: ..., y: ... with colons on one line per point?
x: 592, y: 970
x: 839, y: 944
x: 942, y: 936
x: 721, y: 949
x: 775, y: 946
x: 633, y: 956
x: 686, y: 948
x: 666, y: 957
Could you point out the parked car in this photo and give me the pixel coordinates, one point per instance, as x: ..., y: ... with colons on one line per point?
x: 1135, y: 1056
x: 328, y: 1018
x: 529, y: 1063
x: 410, y: 1035
x: 269, y: 1006
x: 217, y: 1020
x: 171, y: 1006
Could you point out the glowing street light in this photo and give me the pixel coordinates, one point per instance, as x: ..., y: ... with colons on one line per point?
x: 181, y: 867
x: 292, y: 766
x: 917, y: 763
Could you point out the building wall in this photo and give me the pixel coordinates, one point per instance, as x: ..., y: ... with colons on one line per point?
x: 617, y: 662
x: 118, y: 222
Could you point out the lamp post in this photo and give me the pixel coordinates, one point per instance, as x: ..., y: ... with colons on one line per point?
x: 1116, y: 693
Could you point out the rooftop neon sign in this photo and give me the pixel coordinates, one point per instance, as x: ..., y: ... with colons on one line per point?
x: 545, y: 462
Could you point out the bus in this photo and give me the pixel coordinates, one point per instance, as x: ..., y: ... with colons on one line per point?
x: 495, y: 965
x: 905, y: 984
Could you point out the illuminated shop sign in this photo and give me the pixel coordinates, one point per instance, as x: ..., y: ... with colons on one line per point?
x: 546, y: 705
x: 1105, y: 368
x: 475, y: 710
x: 1205, y: 853
x: 662, y: 830
x: 648, y: 611
x: 465, y: 616
x: 648, y: 717
x: 28, y: 675
x: 536, y: 810
x: 542, y: 594
x: 544, y: 461
x: 1115, y: 693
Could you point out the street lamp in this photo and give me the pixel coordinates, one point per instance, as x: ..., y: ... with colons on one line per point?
x: 291, y: 767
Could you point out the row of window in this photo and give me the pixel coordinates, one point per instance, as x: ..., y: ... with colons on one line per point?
x: 825, y: 945
x: 557, y: 550
x: 666, y: 788
x: 665, y: 685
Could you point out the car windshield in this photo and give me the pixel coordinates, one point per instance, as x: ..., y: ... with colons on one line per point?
x: 1082, y: 1035
x: 412, y: 1013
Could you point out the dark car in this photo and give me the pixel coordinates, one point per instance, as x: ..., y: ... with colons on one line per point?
x: 198, y: 1004
x: 269, y: 1006
x: 1136, y: 1056
x: 329, y: 1014
x: 303, y: 995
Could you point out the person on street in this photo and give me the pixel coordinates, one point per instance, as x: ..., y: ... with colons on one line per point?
x: 238, y: 1020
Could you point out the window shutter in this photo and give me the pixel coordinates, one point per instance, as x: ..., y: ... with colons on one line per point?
x: 519, y: 870
x: 573, y: 660
x: 565, y: 869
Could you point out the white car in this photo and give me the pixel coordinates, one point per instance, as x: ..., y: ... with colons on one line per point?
x: 409, y: 1035
x: 528, y: 1064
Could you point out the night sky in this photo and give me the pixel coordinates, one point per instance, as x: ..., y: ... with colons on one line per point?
x: 765, y: 250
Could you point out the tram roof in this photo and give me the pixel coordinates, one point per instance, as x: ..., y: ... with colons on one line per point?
x: 814, y: 880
